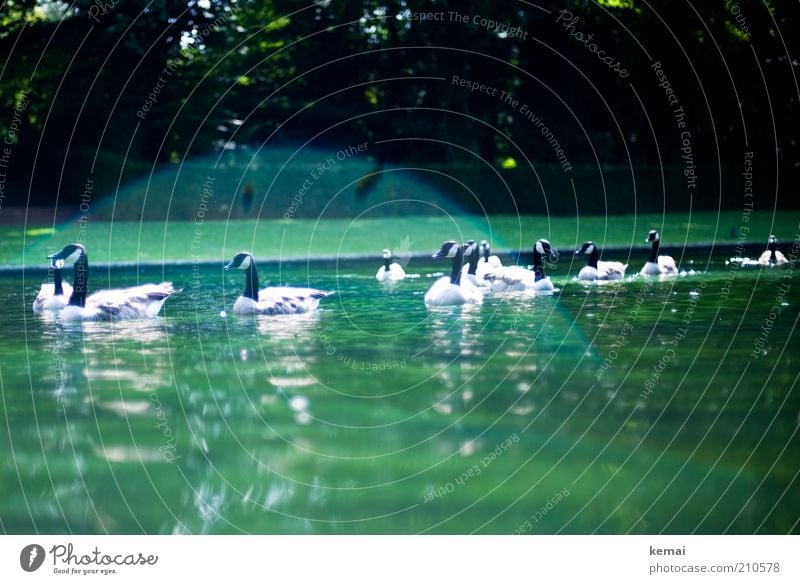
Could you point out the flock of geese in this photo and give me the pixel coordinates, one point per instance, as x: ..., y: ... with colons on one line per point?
x: 475, y: 272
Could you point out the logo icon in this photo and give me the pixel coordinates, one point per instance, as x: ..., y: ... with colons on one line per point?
x: 31, y: 557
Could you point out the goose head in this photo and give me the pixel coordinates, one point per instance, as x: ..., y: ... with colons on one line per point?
x: 449, y: 249
x: 241, y: 261
x: 544, y: 249
x: 387, y: 254
x: 653, y: 236
x: 68, y: 255
x: 772, y: 243
x: 244, y: 261
x: 472, y: 255
x: 589, y: 249
x: 486, y: 248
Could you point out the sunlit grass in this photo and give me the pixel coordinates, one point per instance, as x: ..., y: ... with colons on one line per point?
x: 281, y: 238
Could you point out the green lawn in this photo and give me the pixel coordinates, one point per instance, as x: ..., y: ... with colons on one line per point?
x: 216, y: 240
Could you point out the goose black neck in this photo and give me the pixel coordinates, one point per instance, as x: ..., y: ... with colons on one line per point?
x: 251, y: 281
x: 593, y: 259
x: 654, y: 251
x: 538, y: 267
x: 473, y: 262
x: 458, y: 261
x: 58, y: 288
x: 486, y: 251
x: 386, y: 263
x: 80, y: 281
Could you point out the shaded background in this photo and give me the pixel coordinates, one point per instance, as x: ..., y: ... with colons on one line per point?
x: 258, y: 80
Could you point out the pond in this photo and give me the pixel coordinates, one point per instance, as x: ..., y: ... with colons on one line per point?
x: 637, y: 407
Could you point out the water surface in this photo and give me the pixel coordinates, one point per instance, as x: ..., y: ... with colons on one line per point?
x: 642, y: 407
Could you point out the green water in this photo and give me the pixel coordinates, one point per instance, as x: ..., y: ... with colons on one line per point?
x: 375, y: 415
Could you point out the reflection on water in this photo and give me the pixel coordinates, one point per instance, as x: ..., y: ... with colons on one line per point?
x: 641, y: 399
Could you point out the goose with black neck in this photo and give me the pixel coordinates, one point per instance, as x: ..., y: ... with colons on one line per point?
x: 658, y: 265
x: 53, y: 296
x: 451, y: 290
x: 272, y: 300
x: 595, y: 270
x: 518, y: 279
x: 143, y: 301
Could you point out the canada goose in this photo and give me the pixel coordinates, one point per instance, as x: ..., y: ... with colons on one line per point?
x: 389, y: 271
x: 272, y: 300
x: 517, y: 279
x: 595, y: 270
x: 469, y: 270
x: 117, y: 304
x: 487, y: 261
x: 53, y: 296
x: 658, y: 265
x: 450, y: 290
x: 771, y: 256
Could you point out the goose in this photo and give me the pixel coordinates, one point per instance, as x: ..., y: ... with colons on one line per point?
x: 517, y: 279
x: 53, y: 296
x: 487, y: 261
x: 658, y: 265
x: 469, y: 271
x: 272, y: 300
x: 771, y: 255
x: 390, y: 271
x: 595, y: 270
x: 117, y: 304
x: 450, y: 290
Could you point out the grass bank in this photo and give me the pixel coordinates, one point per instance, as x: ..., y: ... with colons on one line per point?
x: 301, y: 238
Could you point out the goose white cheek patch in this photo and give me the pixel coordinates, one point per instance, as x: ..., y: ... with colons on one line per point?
x: 245, y: 263
x: 73, y: 257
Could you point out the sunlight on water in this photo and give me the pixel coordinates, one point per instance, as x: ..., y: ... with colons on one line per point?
x: 622, y: 408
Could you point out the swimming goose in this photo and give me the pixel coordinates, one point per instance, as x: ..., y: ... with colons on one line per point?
x: 450, y: 290
x: 390, y: 271
x: 595, y: 270
x: 118, y: 304
x: 658, y: 265
x: 487, y: 261
x: 771, y: 256
x: 517, y: 279
x: 274, y: 299
x: 469, y: 271
x: 53, y: 296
